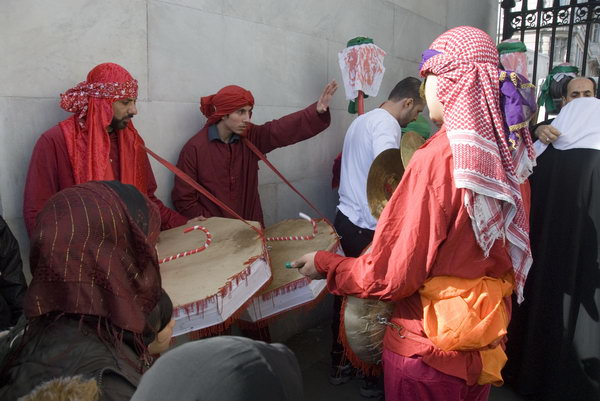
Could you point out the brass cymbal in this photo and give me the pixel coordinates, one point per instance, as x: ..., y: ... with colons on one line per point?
x: 387, y: 170
x: 384, y: 176
x: 410, y: 142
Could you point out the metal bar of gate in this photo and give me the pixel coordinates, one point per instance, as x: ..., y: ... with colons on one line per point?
x: 588, y: 26
x: 526, y: 19
x: 555, y: 4
x: 537, y: 40
x: 523, y: 18
x: 570, y: 35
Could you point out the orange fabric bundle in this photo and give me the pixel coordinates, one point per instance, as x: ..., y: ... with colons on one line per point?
x: 468, y: 314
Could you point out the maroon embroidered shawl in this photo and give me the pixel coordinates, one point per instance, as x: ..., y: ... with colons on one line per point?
x: 93, y: 253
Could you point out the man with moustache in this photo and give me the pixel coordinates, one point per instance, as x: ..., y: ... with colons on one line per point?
x: 573, y: 88
x: 98, y: 142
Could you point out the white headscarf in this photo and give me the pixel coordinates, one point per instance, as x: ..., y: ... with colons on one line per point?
x: 579, y: 124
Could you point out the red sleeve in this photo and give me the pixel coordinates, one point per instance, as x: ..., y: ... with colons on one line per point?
x: 409, y: 232
x: 184, y: 197
x: 289, y: 129
x: 168, y: 217
x: 42, y: 180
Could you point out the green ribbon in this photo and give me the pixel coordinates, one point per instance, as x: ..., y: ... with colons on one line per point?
x: 420, y: 126
x: 545, y: 99
x: 357, y: 41
x: 511, y: 47
x: 353, y: 105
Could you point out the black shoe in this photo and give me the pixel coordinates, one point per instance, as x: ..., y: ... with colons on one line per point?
x: 371, y: 389
x: 342, y: 374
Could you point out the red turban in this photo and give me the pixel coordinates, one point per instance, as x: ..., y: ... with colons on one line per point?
x: 229, y: 99
x: 88, y: 143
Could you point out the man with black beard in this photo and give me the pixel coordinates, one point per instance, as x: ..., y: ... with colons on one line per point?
x: 97, y: 143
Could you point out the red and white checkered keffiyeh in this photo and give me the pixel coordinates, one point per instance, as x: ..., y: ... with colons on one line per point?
x: 485, y: 163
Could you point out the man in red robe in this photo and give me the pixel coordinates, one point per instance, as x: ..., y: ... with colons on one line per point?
x: 98, y: 142
x: 453, y: 239
x: 217, y: 158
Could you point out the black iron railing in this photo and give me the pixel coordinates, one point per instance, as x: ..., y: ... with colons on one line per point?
x: 580, y: 20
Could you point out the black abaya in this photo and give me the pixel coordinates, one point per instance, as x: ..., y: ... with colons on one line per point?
x: 554, y: 336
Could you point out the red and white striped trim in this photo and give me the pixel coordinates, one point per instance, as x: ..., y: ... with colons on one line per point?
x: 192, y: 251
x: 299, y: 237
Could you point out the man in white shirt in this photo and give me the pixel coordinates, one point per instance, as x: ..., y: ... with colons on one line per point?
x: 368, y: 136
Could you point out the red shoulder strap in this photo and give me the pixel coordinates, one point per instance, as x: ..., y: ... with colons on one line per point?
x: 188, y: 180
x: 262, y: 157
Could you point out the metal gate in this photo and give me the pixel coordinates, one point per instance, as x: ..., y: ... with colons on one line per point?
x: 555, y: 31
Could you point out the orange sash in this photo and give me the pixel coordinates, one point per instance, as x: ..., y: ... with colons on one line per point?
x: 468, y: 315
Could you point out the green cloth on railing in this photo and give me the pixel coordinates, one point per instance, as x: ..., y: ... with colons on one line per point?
x: 420, y: 126
x: 545, y: 98
x: 511, y: 47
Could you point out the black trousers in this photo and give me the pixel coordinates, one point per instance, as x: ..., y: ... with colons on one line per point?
x: 353, y: 240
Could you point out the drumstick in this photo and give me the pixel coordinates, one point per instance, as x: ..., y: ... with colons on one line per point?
x: 304, y: 216
x: 288, y: 265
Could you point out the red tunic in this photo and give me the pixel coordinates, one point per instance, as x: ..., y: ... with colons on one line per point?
x: 230, y: 170
x: 424, y: 231
x: 50, y: 171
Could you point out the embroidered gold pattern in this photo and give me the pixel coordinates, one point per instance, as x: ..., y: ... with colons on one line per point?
x: 116, y: 241
x: 83, y: 249
x: 517, y: 127
x: 68, y: 250
x: 37, y: 301
x: 55, y: 230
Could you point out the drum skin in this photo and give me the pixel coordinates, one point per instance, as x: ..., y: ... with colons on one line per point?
x: 210, y: 288
x: 362, y: 329
x: 281, y: 252
x: 289, y: 289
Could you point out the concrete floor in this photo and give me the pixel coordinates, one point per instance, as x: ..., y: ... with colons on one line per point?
x: 312, y: 349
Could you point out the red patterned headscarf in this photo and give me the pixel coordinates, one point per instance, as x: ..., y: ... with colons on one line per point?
x: 93, y: 254
x: 489, y: 162
x: 229, y: 99
x: 88, y: 143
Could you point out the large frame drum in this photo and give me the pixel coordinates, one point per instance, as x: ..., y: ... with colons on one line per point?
x: 289, y: 289
x: 211, y: 277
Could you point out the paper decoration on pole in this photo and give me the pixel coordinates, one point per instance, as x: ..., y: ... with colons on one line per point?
x: 513, y: 56
x: 362, y: 68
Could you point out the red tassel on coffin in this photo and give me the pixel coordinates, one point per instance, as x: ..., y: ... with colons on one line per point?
x: 223, y: 292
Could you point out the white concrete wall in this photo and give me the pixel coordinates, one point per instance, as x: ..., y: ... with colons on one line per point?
x: 284, y: 51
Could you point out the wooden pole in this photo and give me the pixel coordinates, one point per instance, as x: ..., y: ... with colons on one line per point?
x: 360, y: 103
